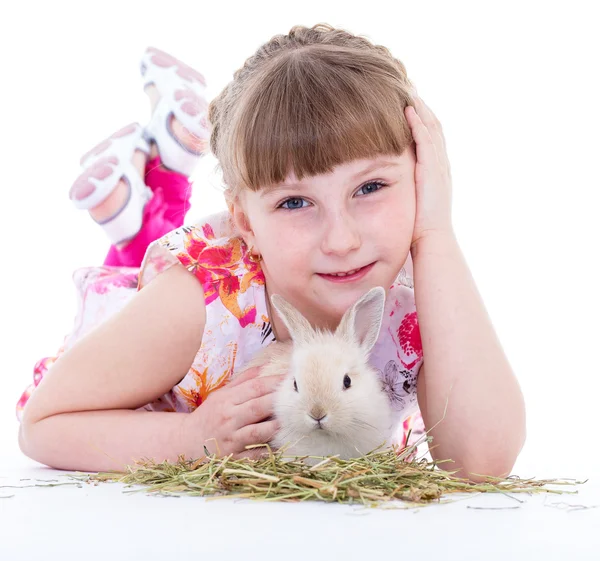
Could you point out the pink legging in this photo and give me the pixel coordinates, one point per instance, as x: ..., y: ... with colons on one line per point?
x: 163, y: 213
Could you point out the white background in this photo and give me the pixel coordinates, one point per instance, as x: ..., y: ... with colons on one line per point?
x: 514, y: 84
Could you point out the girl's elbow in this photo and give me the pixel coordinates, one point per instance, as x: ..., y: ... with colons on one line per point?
x: 498, y: 464
x: 24, y: 441
x: 481, y: 473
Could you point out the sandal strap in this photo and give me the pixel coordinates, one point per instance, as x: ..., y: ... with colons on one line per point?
x: 125, y: 225
x: 119, y: 143
x: 168, y: 73
x: 105, y: 167
x: 173, y: 154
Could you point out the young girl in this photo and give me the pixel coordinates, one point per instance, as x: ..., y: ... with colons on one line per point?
x: 337, y: 180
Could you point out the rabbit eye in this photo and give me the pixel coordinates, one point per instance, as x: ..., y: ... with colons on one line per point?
x: 347, y: 381
x: 295, y: 385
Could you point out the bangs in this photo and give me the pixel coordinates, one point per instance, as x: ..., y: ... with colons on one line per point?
x: 312, y: 109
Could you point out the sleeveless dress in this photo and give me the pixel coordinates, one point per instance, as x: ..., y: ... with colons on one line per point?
x: 237, y: 321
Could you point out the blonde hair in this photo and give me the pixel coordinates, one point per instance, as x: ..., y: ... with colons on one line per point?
x: 306, y: 102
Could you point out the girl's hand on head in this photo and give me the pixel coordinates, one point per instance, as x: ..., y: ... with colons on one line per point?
x: 233, y: 417
x: 433, y: 183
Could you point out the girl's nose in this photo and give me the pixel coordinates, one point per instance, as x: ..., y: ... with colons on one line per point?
x: 340, y: 234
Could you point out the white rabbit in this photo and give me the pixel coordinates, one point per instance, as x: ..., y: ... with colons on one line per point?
x: 332, y: 401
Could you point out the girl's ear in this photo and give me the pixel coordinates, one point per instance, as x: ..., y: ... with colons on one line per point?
x: 296, y: 323
x: 241, y: 221
x: 362, y: 322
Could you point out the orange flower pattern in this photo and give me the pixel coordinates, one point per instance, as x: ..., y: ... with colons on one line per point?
x: 196, y: 396
x: 224, y: 270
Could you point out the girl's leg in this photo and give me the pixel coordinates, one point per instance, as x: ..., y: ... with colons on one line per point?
x: 137, y: 196
x: 170, y: 202
x: 163, y: 213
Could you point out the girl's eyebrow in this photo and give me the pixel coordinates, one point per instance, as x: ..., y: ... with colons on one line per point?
x: 379, y: 165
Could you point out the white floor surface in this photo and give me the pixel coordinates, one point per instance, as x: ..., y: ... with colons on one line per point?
x: 83, y: 521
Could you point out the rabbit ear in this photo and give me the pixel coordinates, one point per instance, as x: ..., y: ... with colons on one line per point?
x: 295, y: 322
x: 362, y: 321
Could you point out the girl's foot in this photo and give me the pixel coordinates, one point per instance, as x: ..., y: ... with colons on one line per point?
x: 179, y: 124
x: 117, y: 199
x: 191, y: 142
x: 109, y: 209
x: 112, y: 188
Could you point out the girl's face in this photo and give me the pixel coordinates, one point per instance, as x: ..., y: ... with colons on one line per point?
x: 359, y: 215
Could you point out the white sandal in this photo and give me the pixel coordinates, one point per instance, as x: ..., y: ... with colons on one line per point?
x: 105, y: 165
x: 181, y: 91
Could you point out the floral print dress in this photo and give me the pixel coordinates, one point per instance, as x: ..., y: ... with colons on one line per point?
x: 237, y: 322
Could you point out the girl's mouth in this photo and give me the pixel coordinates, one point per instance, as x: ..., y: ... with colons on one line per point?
x: 350, y: 276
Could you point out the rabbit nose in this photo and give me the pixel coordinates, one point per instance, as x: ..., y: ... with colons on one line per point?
x: 318, y: 414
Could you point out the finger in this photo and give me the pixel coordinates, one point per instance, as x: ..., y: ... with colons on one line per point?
x: 435, y: 129
x: 253, y: 453
x: 256, y: 387
x: 425, y: 146
x: 258, y: 433
x: 427, y: 115
x: 431, y: 122
x: 253, y: 411
x: 246, y: 375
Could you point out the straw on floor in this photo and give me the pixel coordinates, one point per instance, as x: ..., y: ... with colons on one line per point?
x: 378, y: 477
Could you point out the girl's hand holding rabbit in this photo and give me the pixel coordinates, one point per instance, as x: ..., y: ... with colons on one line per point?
x: 236, y: 416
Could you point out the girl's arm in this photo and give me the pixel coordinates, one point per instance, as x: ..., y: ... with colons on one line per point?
x: 82, y: 415
x: 105, y: 440
x: 484, y: 427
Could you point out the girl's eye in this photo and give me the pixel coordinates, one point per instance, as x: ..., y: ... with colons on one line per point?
x: 294, y: 206
x: 296, y: 202
x: 379, y: 184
